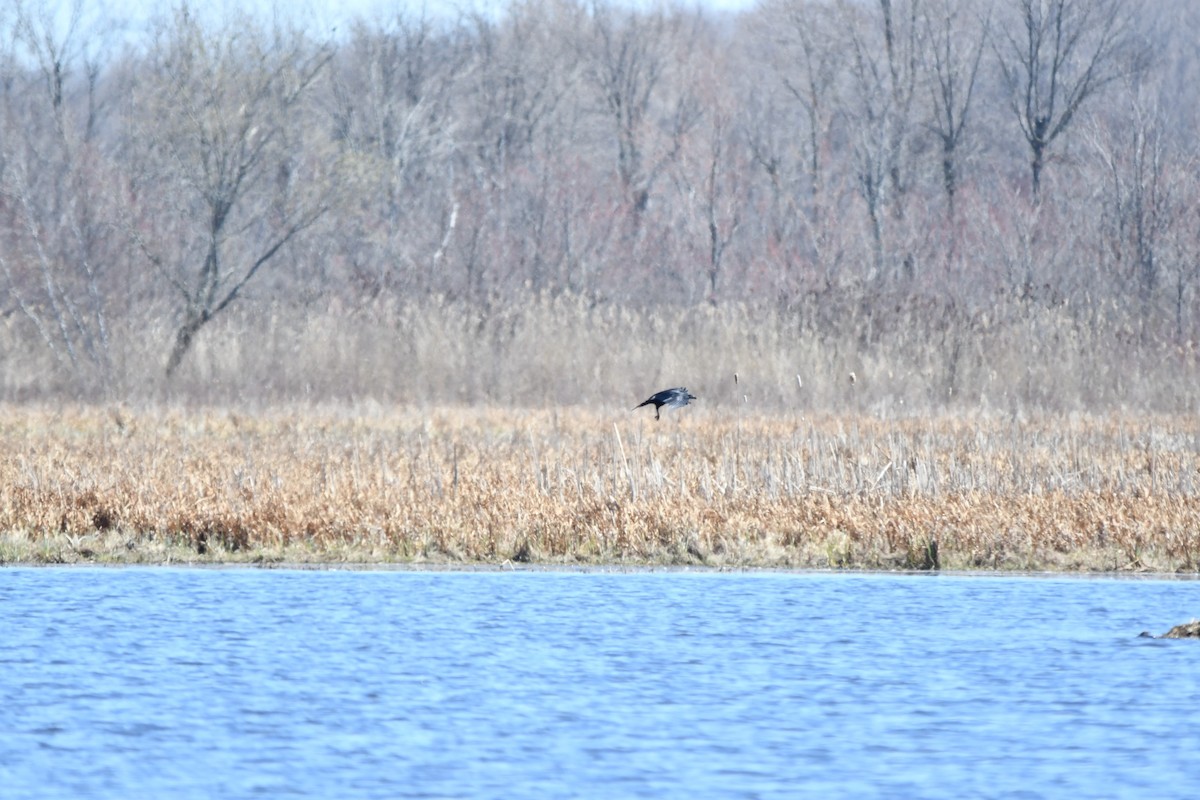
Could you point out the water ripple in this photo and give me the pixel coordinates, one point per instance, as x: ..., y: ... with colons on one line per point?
x: 232, y: 683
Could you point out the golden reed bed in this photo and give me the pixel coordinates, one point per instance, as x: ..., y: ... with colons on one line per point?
x: 703, y: 487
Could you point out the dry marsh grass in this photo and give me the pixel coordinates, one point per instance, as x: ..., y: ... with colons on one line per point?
x: 909, y: 358
x: 703, y: 487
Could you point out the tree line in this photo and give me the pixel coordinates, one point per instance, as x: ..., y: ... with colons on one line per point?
x: 850, y: 165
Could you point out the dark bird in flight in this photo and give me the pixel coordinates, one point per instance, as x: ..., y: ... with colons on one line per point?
x: 671, y: 398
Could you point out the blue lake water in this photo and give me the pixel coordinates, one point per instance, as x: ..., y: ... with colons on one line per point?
x: 157, y: 683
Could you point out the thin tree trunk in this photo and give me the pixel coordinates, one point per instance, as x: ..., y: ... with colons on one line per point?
x: 183, y: 341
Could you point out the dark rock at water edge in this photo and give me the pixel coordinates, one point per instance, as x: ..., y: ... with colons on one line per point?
x: 1189, y: 630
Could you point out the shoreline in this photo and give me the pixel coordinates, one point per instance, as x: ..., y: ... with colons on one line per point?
x: 590, y: 569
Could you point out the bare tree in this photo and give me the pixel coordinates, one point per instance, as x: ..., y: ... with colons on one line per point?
x: 223, y: 187
x: 521, y: 71
x: 627, y: 55
x: 797, y: 40
x: 519, y: 74
x: 720, y: 191
x: 1055, y: 55
x: 392, y: 92
x: 885, y: 50
x: 955, y: 41
x: 709, y: 181
x: 391, y: 98
x: 1142, y: 207
x: 52, y: 256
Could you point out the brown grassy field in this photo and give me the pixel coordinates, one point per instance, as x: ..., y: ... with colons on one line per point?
x: 712, y: 487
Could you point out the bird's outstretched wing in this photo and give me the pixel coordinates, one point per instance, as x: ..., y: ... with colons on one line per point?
x: 671, y: 398
x: 677, y: 398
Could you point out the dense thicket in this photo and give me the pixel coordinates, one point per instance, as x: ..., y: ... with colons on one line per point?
x: 960, y: 201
